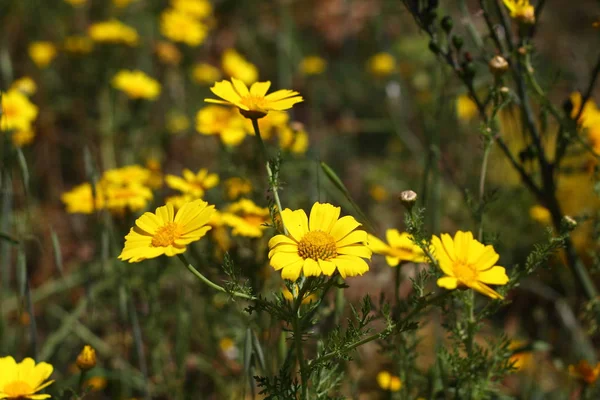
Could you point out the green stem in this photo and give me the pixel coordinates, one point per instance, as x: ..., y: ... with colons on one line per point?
x: 298, y: 344
x: 470, y: 304
x: 210, y: 283
x: 483, y: 173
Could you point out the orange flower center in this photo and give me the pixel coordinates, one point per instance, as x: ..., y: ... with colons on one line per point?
x: 17, y: 389
x: 255, y: 103
x: 465, y: 272
x: 166, y: 235
x: 9, y: 111
x: 317, y: 245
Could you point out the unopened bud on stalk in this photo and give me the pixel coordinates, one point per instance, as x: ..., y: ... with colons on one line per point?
x: 447, y: 24
x: 458, y: 42
x: 569, y: 223
x: 86, y: 360
x: 498, y: 66
x: 408, y: 198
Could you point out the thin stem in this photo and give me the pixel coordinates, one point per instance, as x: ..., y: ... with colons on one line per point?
x: 261, y: 143
x: 297, y: 331
x: 482, y: 175
x: 470, y: 304
x: 210, y: 283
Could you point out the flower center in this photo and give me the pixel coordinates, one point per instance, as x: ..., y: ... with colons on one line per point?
x: 317, y: 245
x: 465, y: 272
x: 16, y: 389
x: 9, y: 111
x: 166, y: 235
x: 254, y: 103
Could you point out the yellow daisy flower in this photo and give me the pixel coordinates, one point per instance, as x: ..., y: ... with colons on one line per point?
x: 42, y: 53
x: 194, y: 8
x: 113, y: 31
x: 181, y: 27
x: 205, y: 74
x: 127, y: 175
x: 168, y: 53
x: 178, y: 201
x: 22, y: 138
x: 468, y: 263
x: 382, y: 64
x: 320, y: 244
x: 80, y: 199
x: 23, y: 380
x: 521, y: 10
x: 387, y: 381
x: 466, y: 109
x: 136, y: 84
x: 193, y: 184
x: 236, y: 66
x: 134, y: 197
x: 313, y: 65
x: 253, y: 103
x: 166, y: 232
x: 400, y: 248
x: 18, y: 112
x: 246, y: 218
x: 222, y: 121
x: 236, y: 187
x: 585, y: 372
x: 25, y: 85
x: 540, y: 214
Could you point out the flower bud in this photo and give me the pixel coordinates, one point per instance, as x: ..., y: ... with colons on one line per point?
x: 408, y: 198
x: 498, y: 66
x: 447, y: 24
x: 568, y: 223
x: 86, y: 360
x: 457, y: 42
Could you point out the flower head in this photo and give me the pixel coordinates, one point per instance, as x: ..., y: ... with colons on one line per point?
x: 23, y: 380
x: 181, y: 27
x: 236, y: 66
x: 136, y: 84
x: 246, y: 218
x: 313, y: 65
x: 400, y: 248
x: 114, y: 32
x: 382, y: 64
x: 42, y: 53
x: 168, y: 53
x: 387, y: 381
x: 205, y: 74
x: 253, y: 103
x: 222, y: 121
x: 194, y: 8
x: 18, y: 112
x: 86, y: 360
x: 466, y: 108
x: 585, y: 372
x: 80, y: 199
x: 319, y: 245
x: 25, y: 85
x: 468, y: 263
x: 22, y: 138
x: 166, y: 232
x: 127, y: 175
x: 521, y: 10
x: 134, y: 197
x: 540, y: 214
x: 193, y: 184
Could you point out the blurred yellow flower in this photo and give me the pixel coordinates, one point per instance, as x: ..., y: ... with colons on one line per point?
x: 78, y: 44
x: 382, y: 64
x: 79, y: 200
x: 319, y: 245
x: 178, y: 201
x: 289, y: 296
x: 540, y: 214
x: 22, y: 138
x: 23, y: 380
x: 313, y: 65
x: 86, y: 359
x: 76, y: 3
x: 378, y: 193
x: 222, y: 121
x: 400, y: 248
x: 113, y: 32
x: 272, y: 123
x: 521, y: 360
x: 246, y: 218
x: 136, y: 84
x: 168, y: 53
x: 127, y: 175
x: 236, y: 187
x: 466, y: 109
x: 193, y: 184
x: 468, y: 263
x: 195, y: 8
x: 180, y: 27
x: 177, y: 122
x: 294, y: 141
x: 521, y: 10
x: 205, y: 74
x: 387, y: 381
x: 18, y: 112
x: 25, y: 85
x: 95, y: 383
x: 42, y: 53
x: 236, y: 66
x: 253, y: 103
x: 134, y: 197
x: 166, y: 231
x: 585, y: 372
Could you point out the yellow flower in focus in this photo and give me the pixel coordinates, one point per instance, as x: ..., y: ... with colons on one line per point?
x: 289, y: 296
x: 166, y: 231
x: 18, y: 112
x: 193, y: 184
x: 466, y: 109
x: 246, y: 218
x: 205, y: 74
x: 521, y: 10
x: 23, y: 380
x: 168, y: 53
x: 400, y: 248
x: 540, y: 214
x: 76, y: 3
x: 236, y: 66
x: 378, y: 193
x: 194, y: 8
x: 80, y: 199
x: 585, y: 372
x: 78, y: 45
x: 319, y: 245
x: 387, y: 381
x: 313, y: 65
x: 136, y: 84
x: 177, y: 122
x: 382, y: 64
x: 253, y: 103
x: 42, y: 53
x: 113, y: 32
x: 180, y: 27
x: 25, y: 85
x: 95, y: 383
x: 128, y: 175
x: 22, y: 138
x: 468, y: 263
x: 222, y: 121
x: 86, y: 360
x: 236, y: 187
x: 134, y: 197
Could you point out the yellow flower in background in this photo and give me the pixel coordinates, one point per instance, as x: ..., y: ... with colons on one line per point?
x: 521, y: 360
x: 194, y: 8
x: 585, y: 372
x: 95, y: 383
x: 253, y: 103
x: 168, y: 53
x: 18, y: 112
x: 136, y: 84
x: 273, y: 122
x: 236, y: 66
x: 23, y: 380
x: 178, y: 201
x: 86, y: 359
x: 382, y: 64
x: 80, y: 200
x: 180, y: 27
x: 177, y: 122
x: 289, y: 296
x: 42, y: 53
x: 466, y: 109
x: 236, y: 187
x: 293, y: 138
x: 78, y: 44
x: 521, y: 10
x: 113, y: 32
x: 193, y: 184
x: 313, y: 65
x: 127, y: 175
x: 246, y: 218
x: 22, y: 138
x: 25, y: 85
x: 540, y: 214
x: 378, y: 193
x: 76, y: 3
x: 468, y: 263
x: 155, y: 180
x: 222, y: 121
x: 400, y: 248
x: 205, y: 74
x: 166, y: 231
x: 134, y: 197
x: 387, y: 381
x: 319, y: 245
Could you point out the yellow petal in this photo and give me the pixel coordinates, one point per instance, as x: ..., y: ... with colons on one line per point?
x: 447, y: 282
x: 485, y: 290
x: 226, y: 91
x: 149, y: 223
x: 376, y: 245
x: 462, y: 244
x: 280, y: 239
x: 486, y: 260
x: 281, y: 94
x: 353, y: 238
x: 448, y: 245
x: 323, y: 217
x: 296, y: 222
x: 240, y: 87
x: 281, y: 260
x: 444, y: 261
x: 350, y: 265
x: 392, y: 261
x: 260, y: 89
x: 40, y: 373
x: 285, y: 104
x: 292, y: 271
x: 311, y: 268
x: 494, y: 276
x: 327, y: 267
x: 358, y: 250
x: 343, y: 227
